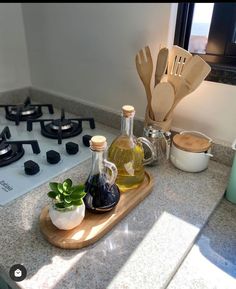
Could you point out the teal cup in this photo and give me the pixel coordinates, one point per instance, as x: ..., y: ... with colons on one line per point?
x: 231, y: 188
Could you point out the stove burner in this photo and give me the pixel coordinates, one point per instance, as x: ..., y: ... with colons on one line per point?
x: 65, y: 124
x: 13, y: 155
x: 49, y: 131
x: 4, y: 148
x: 11, y: 151
x: 25, y: 111
x: 61, y: 128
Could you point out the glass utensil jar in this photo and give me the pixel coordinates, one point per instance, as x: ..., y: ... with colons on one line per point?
x: 161, y: 141
x: 127, y: 153
x: 102, y: 194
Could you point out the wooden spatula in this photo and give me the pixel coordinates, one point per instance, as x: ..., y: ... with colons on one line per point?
x: 163, y: 97
x: 161, y: 65
x: 195, y: 72
x: 178, y: 59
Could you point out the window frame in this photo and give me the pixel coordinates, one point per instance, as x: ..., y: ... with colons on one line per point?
x: 223, y: 65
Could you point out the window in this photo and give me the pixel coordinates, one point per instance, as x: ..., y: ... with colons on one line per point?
x: 202, y: 16
x: 209, y: 29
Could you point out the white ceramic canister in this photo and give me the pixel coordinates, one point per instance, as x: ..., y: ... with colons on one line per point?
x: 191, y: 151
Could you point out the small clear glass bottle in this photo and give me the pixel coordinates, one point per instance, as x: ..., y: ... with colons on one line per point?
x: 102, y: 194
x: 127, y: 153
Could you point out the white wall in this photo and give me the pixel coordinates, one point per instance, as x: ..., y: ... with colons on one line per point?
x: 14, y: 67
x: 211, y: 109
x: 87, y: 51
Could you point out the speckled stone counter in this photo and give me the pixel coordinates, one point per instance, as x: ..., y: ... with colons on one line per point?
x: 143, y: 251
x: 211, y: 263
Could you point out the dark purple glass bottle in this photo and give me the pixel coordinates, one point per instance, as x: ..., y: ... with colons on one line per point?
x: 102, y: 194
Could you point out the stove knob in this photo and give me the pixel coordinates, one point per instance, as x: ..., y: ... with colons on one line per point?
x: 86, y: 139
x: 31, y: 168
x: 72, y: 148
x: 53, y: 157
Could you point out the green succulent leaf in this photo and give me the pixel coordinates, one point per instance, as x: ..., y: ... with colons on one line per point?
x: 68, y: 200
x: 62, y: 197
x: 67, y: 184
x: 78, y: 188
x: 66, y: 193
x: 52, y: 194
x: 53, y: 187
x: 77, y: 203
x: 67, y: 205
x: 77, y: 195
x: 60, y: 205
x: 60, y: 188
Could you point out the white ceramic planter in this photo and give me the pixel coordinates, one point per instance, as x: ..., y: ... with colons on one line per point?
x: 67, y: 220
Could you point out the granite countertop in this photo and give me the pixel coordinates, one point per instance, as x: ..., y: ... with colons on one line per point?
x: 211, y: 263
x: 143, y: 251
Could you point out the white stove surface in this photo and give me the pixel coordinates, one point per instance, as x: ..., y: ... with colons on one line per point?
x: 13, y: 180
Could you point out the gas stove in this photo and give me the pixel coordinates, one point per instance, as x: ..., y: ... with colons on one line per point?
x: 34, y: 146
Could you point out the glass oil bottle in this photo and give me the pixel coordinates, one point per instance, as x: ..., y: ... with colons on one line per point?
x: 102, y: 194
x: 127, y: 153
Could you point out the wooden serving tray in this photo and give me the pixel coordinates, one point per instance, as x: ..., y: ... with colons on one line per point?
x: 94, y: 226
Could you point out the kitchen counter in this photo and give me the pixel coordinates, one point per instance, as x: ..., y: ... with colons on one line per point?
x: 211, y: 263
x: 143, y: 251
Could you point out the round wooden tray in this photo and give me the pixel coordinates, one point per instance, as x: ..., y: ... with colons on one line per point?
x: 94, y: 226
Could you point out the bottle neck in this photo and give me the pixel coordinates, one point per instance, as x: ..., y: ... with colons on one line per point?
x: 97, y: 162
x: 127, y: 125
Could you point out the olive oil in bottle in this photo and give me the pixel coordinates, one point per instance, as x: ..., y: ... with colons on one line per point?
x: 127, y: 153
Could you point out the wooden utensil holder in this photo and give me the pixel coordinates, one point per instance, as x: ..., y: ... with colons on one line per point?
x: 164, y: 125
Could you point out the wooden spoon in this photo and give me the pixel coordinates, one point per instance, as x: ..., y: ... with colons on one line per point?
x: 161, y: 65
x: 163, y: 97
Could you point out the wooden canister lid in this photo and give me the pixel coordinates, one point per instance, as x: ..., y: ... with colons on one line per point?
x: 128, y: 110
x: 191, y: 143
x: 98, y: 143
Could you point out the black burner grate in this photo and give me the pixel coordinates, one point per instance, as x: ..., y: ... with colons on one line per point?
x: 61, y: 128
x: 25, y: 111
x: 15, y: 148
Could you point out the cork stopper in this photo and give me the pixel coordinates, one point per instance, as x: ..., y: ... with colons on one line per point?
x: 128, y: 110
x: 98, y: 143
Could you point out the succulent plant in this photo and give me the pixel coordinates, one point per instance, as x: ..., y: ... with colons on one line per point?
x: 66, y: 195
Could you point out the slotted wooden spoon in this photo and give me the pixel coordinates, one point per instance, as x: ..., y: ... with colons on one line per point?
x: 145, y: 69
x: 178, y: 59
